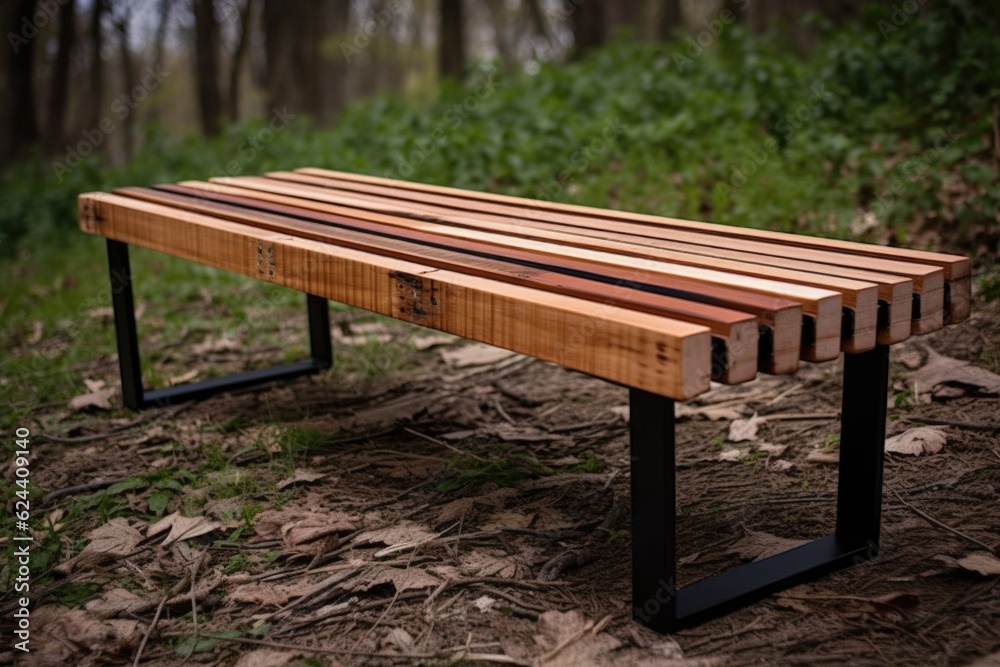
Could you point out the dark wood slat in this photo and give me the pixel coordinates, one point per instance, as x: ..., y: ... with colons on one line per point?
x: 736, y: 359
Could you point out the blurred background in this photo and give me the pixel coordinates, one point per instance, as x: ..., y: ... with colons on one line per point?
x: 877, y: 120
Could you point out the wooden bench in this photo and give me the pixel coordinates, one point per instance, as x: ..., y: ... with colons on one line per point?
x: 659, y: 305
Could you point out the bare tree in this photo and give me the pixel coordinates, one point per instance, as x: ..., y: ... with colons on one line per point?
x: 451, y: 39
x: 122, y: 18
x: 96, y: 69
x: 19, y: 129
x: 670, y: 18
x: 239, y: 56
x: 589, y: 26
x: 206, y: 66
x: 59, y: 85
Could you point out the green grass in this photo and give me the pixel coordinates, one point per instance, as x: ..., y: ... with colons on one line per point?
x: 503, y: 467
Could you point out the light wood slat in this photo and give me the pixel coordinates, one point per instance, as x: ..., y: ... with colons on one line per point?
x: 782, y: 319
x: 823, y: 305
x: 957, y: 269
x: 895, y: 291
x: 859, y: 296
x: 737, y: 331
x: 636, y: 349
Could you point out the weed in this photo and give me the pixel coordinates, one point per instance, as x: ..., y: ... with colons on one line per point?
x: 74, y: 595
x: 831, y: 443
x: 503, y: 468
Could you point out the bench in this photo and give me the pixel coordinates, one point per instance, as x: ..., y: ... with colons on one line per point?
x: 658, y: 305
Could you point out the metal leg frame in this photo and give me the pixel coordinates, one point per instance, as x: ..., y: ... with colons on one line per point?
x: 657, y: 603
x: 133, y: 394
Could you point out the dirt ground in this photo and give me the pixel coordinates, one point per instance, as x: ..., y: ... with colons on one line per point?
x: 468, y: 505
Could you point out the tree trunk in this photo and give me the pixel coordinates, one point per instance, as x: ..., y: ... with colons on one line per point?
x: 128, y: 82
x: 627, y: 15
x: 451, y: 39
x: 96, y: 87
x: 670, y: 19
x: 55, y: 130
x: 332, y: 73
x: 588, y: 27
x: 206, y: 51
x: 239, y: 56
x: 19, y: 129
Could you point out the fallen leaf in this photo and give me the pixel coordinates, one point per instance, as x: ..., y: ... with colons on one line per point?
x: 403, y: 533
x: 745, y: 429
x: 63, y: 636
x: 179, y: 528
x: 714, y: 413
x: 184, y: 377
x: 758, y: 545
x: 115, y: 539
x: 268, y: 657
x: 820, y: 455
x: 780, y: 465
x: 622, y: 411
x: 99, y: 399
x: 484, y: 603
x: 36, y: 333
x: 941, y: 371
x: 917, y: 441
x: 400, y: 638
x: 433, y: 340
x: 216, y: 345
x: 404, y: 579
x: 117, y: 601
x: 733, y: 454
x: 276, y: 524
x: 982, y: 562
x: 567, y: 639
x: 895, y: 603
x: 104, y: 312
x: 301, y: 476
x: 475, y: 354
x: 771, y: 450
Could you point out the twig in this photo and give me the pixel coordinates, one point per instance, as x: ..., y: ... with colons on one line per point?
x: 149, y: 630
x: 939, y: 524
x: 948, y: 422
x: 442, y: 443
x: 95, y: 485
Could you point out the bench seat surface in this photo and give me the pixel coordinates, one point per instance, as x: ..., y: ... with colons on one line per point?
x: 654, y: 303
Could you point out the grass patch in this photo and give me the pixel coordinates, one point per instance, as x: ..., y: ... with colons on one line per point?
x: 504, y: 467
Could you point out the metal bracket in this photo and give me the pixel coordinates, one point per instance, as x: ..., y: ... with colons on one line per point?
x: 658, y: 603
x: 133, y: 394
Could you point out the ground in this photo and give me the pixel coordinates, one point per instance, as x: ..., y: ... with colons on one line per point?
x: 431, y: 500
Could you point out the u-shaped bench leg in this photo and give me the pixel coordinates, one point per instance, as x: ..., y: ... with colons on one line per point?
x: 133, y: 394
x: 658, y: 603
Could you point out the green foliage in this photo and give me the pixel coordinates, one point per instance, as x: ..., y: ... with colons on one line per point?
x: 884, y: 118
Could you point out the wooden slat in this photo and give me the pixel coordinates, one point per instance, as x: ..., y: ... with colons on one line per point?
x: 736, y: 331
x: 894, y: 292
x: 860, y: 297
x: 823, y: 305
x: 782, y: 318
x: 637, y: 349
x: 956, y: 268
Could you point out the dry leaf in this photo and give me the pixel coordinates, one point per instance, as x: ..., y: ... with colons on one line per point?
x: 117, y: 601
x: 941, y: 371
x: 622, y: 411
x: 575, y: 639
x: 403, y: 533
x: 402, y: 579
x: 475, y: 354
x: 99, y: 399
x: 771, y: 450
x: 181, y: 528
x: 745, y: 429
x: 114, y: 539
x: 982, y: 562
x: 268, y: 657
x: 714, y: 413
x: 733, y: 454
x: 184, y: 377
x: 63, y: 636
x: 917, y: 441
x: 400, y: 638
x: 279, y: 524
x: 432, y: 340
x: 484, y: 603
x: 758, y: 545
x: 301, y: 476
x: 215, y: 345
x: 820, y: 455
x: 36, y: 333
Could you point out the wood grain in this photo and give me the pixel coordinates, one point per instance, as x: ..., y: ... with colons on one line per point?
x: 954, y: 267
x: 736, y: 332
x: 660, y: 355
x: 823, y: 305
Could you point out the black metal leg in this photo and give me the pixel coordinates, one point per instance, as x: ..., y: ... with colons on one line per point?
x: 656, y: 601
x: 133, y: 395
x: 125, y: 331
